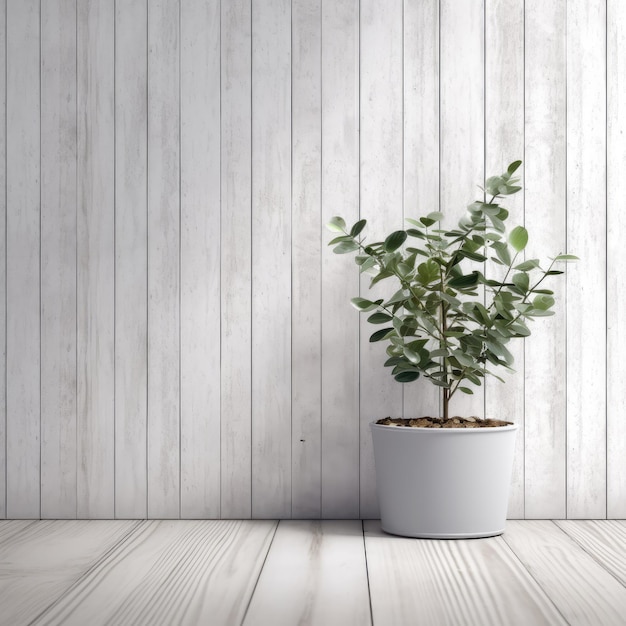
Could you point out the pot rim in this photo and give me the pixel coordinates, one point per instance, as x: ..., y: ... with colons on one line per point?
x: 422, y: 429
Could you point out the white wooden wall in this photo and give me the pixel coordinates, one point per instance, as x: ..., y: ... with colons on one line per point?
x: 178, y: 339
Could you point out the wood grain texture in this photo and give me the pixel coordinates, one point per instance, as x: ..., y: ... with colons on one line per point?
x: 604, y: 540
x: 10, y: 528
x: 23, y: 402
x: 131, y: 253
x: 271, y: 255
x: 315, y: 574
x: 236, y: 267
x: 586, y: 237
x: 461, y: 160
x: 504, y: 143
x: 95, y: 260
x: 307, y: 232
x: 545, y: 180
x: 46, y: 559
x: 171, y: 572
x: 581, y: 589
x: 421, y: 148
x: 163, y: 260
x: 381, y: 203
x: 340, y: 278
x: 200, y: 260
x: 3, y: 276
x: 58, y: 259
x: 474, y: 581
x: 616, y: 224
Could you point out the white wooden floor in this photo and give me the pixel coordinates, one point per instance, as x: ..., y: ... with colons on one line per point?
x: 266, y: 573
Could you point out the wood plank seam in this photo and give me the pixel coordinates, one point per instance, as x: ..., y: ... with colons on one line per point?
x: 523, y: 564
x: 367, y: 571
x: 103, y: 557
x: 591, y: 554
x: 256, y: 582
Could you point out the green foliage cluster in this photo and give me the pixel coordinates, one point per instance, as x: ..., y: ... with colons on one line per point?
x: 448, y: 322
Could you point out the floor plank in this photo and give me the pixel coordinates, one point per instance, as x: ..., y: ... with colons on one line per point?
x: 315, y: 574
x: 584, y: 592
x: 40, y: 562
x: 471, y: 582
x: 171, y: 572
x: 9, y: 528
x: 605, y: 540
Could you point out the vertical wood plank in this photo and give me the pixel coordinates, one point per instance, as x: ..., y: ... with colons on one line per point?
x: 271, y: 255
x: 545, y: 180
x: 3, y: 282
x: 381, y: 190
x: 200, y: 259
x: 58, y: 259
x: 340, y: 278
x: 163, y: 260
x: 504, y: 143
x: 306, y: 259
x: 131, y: 266
x: 461, y: 70
x: 95, y: 259
x: 586, y: 281
x: 23, y: 259
x: 421, y: 148
x: 236, y: 267
x: 616, y: 226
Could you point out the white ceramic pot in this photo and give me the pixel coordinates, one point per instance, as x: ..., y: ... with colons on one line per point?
x: 443, y: 483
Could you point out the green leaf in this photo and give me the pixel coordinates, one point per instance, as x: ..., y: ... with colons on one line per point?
x: 435, y: 215
x: 362, y: 304
x: 337, y: 224
x: 379, y: 318
x: 381, y: 276
x: 345, y: 247
x: 521, y: 281
x: 427, y: 221
x: 466, y: 390
x: 543, y: 302
x: 357, y: 228
x: 498, y: 224
x: 339, y: 239
x: 399, y: 296
x: 513, y: 167
x: 519, y: 329
x: 413, y: 232
x: 439, y: 352
x: 468, y: 280
x: 526, y: 266
x: 502, y: 250
x: 394, y: 360
x: 494, y: 184
x: 410, y: 220
x: 407, y: 376
x: 473, y: 256
x: 379, y: 334
x: 412, y: 356
x: 428, y: 272
x: 518, y: 238
x: 566, y: 257
x: 394, y: 241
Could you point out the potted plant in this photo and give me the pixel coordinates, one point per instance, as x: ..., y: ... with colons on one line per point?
x: 447, y: 321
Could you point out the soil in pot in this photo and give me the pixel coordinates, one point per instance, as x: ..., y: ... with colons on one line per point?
x: 437, y: 422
